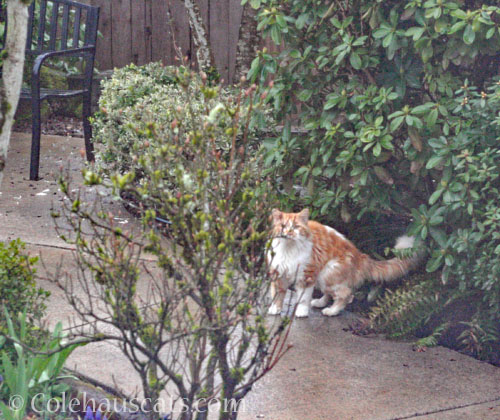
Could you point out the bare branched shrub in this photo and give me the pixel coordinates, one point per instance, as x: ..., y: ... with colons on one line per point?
x: 200, y: 331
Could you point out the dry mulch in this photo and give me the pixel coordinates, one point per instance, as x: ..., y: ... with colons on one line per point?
x: 55, y: 125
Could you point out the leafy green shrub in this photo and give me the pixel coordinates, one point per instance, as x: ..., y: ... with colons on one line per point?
x: 398, y: 105
x: 137, y: 100
x: 207, y: 301
x: 18, y: 289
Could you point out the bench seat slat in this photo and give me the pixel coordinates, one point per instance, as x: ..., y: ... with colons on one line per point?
x: 52, y: 93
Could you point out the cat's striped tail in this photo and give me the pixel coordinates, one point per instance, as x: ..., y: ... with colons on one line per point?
x: 385, y: 271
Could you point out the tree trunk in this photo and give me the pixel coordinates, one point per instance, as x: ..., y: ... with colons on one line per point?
x: 249, y: 42
x: 12, y: 73
x: 204, y: 54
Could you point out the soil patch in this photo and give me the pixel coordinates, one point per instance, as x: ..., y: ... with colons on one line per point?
x: 55, y: 125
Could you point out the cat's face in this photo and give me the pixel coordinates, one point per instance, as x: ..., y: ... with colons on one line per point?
x: 290, y: 225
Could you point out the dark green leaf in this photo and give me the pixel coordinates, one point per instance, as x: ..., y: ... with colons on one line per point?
x: 457, y: 27
x: 433, y: 162
x: 416, y: 32
x: 304, y: 95
x: 381, y: 33
x: 434, y: 263
x: 355, y: 61
x: 469, y: 35
x: 432, y: 118
x: 396, y: 123
x: 435, y: 196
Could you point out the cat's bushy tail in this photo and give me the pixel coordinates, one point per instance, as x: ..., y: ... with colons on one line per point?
x: 384, y: 271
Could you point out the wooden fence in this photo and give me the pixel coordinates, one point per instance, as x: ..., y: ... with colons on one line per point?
x: 138, y: 31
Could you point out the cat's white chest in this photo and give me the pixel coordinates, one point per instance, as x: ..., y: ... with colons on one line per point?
x: 290, y: 257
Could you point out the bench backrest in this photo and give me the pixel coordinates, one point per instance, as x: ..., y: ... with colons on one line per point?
x: 57, y: 25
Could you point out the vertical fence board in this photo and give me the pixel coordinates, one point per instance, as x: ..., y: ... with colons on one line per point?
x: 122, y: 33
x: 219, y: 35
x: 161, y: 36
x: 234, y: 23
x: 182, y: 31
x: 104, y: 53
x: 148, y: 30
x: 204, y: 10
x: 139, y: 31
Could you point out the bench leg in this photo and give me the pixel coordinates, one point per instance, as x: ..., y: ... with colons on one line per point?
x: 87, y: 129
x: 35, y: 140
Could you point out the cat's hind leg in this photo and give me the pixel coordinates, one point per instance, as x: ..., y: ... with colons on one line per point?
x: 329, y: 271
x: 321, y: 302
x: 343, y: 296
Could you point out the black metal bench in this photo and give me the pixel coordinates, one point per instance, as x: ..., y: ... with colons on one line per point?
x: 59, y: 29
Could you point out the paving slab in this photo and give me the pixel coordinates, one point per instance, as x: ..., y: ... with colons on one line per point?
x: 485, y: 411
x: 329, y: 373
x: 26, y: 206
x: 59, y: 264
x: 352, y: 377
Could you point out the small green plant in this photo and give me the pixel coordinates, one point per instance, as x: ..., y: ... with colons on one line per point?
x: 31, y: 373
x: 480, y: 338
x: 405, y: 310
x: 432, y: 339
x: 18, y: 289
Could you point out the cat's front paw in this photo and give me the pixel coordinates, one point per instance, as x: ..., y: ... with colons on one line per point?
x: 320, y: 303
x: 331, y: 311
x: 302, y: 311
x: 274, y: 310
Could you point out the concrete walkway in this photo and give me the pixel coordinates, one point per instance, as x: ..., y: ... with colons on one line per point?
x: 329, y: 374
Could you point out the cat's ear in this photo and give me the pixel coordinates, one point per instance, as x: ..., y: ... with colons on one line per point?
x: 276, y: 215
x: 304, y: 216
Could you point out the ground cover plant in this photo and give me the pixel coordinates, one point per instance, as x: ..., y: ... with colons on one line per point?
x: 136, y: 97
x: 397, y: 105
x: 32, y: 379
x: 19, y: 292
x: 31, y: 357
x: 200, y: 331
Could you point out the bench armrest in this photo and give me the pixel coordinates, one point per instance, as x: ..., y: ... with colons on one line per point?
x: 37, y: 65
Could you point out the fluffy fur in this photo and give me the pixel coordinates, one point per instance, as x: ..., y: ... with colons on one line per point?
x: 305, y: 253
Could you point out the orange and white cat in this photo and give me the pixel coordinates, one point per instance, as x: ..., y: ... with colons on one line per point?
x: 305, y: 253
